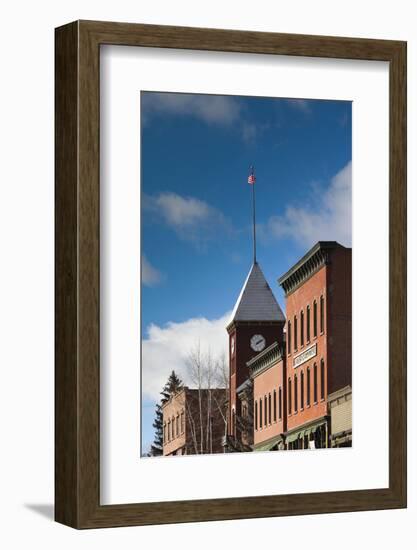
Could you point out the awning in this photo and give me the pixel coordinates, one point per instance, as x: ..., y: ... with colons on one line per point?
x: 292, y: 437
x: 303, y: 433
x: 268, y: 445
x: 313, y: 430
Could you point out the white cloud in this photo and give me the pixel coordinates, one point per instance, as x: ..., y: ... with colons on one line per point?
x: 150, y: 275
x: 326, y: 217
x: 211, y: 109
x: 300, y: 105
x: 167, y: 348
x: 191, y: 218
x: 251, y: 132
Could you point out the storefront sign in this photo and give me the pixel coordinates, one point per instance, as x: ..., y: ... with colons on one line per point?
x: 305, y: 355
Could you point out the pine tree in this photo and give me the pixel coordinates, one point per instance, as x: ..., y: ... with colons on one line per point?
x: 173, y: 384
x: 156, y: 447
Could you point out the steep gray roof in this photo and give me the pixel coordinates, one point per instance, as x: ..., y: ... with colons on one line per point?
x: 256, y: 301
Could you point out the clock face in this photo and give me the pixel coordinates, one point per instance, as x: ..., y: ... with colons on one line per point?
x: 257, y: 342
x: 232, y: 345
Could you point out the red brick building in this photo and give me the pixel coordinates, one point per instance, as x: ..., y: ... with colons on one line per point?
x: 318, y: 292
x: 185, y: 430
x: 269, y: 398
x: 257, y: 322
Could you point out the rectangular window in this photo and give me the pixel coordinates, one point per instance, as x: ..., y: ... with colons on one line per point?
x: 289, y: 396
x: 315, y: 318
x: 177, y: 428
x: 315, y: 382
x: 269, y: 408
x: 295, y: 334
x: 182, y: 422
x: 308, y: 387
x: 260, y: 413
x: 266, y: 411
x: 295, y: 393
x: 302, y: 328
x: 322, y: 379
x: 302, y: 390
x: 275, y: 406
x: 321, y: 314
x: 165, y: 432
x: 289, y: 336
x: 169, y: 430
x: 256, y: 415
x: 280, y: 403
x: 308, y: 324
x: 173, y: 427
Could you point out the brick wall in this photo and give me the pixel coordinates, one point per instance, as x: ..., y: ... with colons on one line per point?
x: 264, y: 385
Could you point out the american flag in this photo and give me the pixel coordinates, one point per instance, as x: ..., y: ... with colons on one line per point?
x: 251, y: 178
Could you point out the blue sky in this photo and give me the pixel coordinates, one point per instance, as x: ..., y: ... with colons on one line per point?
x: 196, y: 210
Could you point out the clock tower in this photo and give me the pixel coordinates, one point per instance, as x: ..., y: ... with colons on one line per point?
x: 256, y: 322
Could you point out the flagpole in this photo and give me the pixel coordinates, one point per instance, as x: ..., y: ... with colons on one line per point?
x: 254, y: 220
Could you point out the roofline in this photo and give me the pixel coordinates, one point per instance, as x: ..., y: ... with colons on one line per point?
x: 262, y: 353
x: 235, y: 315
x: 243, y: 386
x: 320, y: 245
x: 187, y: 389
x: 255, y: 322
x: 266, y: 359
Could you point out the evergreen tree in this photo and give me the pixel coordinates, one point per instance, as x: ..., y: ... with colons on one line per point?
x: 156, y: 447
x: 173, y: 384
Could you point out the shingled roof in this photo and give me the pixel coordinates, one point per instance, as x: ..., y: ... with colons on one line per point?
x: 256, y: 301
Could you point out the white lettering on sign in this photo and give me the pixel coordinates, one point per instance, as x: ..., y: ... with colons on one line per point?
x: 305, y: 355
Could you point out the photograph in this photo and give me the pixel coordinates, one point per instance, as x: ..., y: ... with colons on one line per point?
x: 246, y: 274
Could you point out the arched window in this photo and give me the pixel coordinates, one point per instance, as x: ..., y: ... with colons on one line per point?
x: 308, y: 387
x: 315, y: 382
x: 289, y: 336
x: 302, y: 328
x: 308, y: 324
x: 173, y: 428
x: 315, y: 318
x: 289, y: 396
x: 177, y: 428
x: 165, y: 432
x: 265, y: 411
x: 275, y: 405
x: 256, y: 415
x: 302, y: 390
x: 169, y: 430
x: 322, y: 381
x: 182, y: 422
x: 295, y: 393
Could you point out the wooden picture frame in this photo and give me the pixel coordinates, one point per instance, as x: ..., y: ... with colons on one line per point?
x: 77, y: 382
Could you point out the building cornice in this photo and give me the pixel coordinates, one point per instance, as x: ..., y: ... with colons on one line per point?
x: 265, y: 360
x: 310, y: 263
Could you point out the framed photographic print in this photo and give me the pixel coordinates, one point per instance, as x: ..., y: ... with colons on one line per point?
x: 230, y: 274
